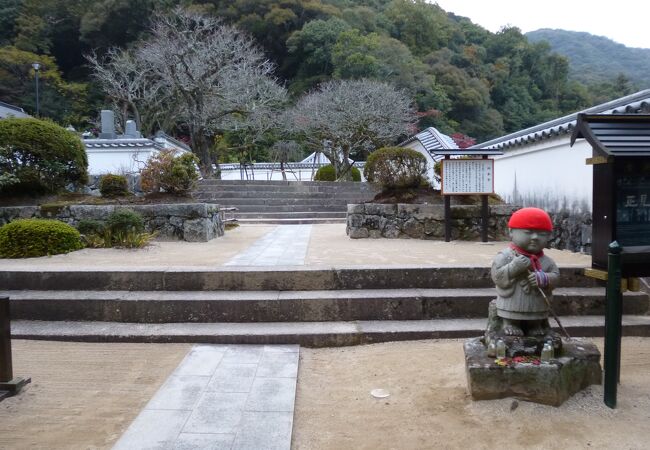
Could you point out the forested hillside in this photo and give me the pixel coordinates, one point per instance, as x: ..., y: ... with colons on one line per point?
x: 462, y: 78
x: 593, y: 59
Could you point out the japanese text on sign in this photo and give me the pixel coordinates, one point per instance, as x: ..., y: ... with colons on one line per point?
x: 467, y: 176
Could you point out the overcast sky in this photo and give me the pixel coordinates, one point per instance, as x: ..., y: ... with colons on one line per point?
x: 624, y: 21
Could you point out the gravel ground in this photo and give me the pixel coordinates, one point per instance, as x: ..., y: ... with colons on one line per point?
x: 429, y: 407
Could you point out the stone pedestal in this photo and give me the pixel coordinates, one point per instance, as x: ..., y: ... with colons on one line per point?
x: 577, y: 367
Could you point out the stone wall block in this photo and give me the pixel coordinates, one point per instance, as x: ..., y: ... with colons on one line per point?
x: 356, y: 208
x: 197, y: 230
x: 358, y: 233
x: 413, y: 228
x: 91, y: 212
x: 355, y: 220
x: 391, y: 230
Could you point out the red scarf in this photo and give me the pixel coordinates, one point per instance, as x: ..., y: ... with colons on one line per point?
x: 534, y: 257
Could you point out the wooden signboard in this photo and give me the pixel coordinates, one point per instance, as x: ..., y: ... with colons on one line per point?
x: 467, y: 176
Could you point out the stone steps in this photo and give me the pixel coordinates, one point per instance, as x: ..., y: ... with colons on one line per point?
x: 270, y: 201
x: 253, y: 201
x: 279, y: 209
x: 250, y: 278
x: 310, y: 334
x: 291, y: 215
x: 295, y: 221
x: 289, y: 306
x: 309, y: 306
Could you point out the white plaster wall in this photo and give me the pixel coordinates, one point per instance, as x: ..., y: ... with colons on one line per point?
x: 102, y: 160
x: 266, y: 175
x: 549, y: 174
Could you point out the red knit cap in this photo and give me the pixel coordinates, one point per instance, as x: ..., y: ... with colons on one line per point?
x: 532, y: 219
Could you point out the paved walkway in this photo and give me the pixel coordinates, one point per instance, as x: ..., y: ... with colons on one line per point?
x: 283, y: 246
x: 222, y: 397
x: 326, y: 245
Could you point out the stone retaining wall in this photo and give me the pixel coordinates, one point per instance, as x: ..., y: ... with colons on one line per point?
x: 420, y: 221
x: 192, y: 222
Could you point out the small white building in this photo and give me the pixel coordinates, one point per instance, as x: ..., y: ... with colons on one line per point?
x: 126, y: 153
x: 7, y: 111
x: 540, y: 168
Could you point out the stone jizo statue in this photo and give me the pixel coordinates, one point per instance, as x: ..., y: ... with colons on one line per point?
x: 522, y: 272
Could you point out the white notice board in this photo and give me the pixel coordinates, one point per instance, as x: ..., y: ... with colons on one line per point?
x: 467, y: 176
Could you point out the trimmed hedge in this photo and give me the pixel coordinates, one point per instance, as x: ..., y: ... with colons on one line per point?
x: 27, y: 238
x: 396, y: 168
x: 327, y: 173
x: 42, y: 156
x: 113, y: 185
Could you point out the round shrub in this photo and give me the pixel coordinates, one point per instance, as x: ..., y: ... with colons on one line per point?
x: 396, y: 168
x: 113, y: 185
x: 26, y: 238
x: 170, y: 173
x: 327, y: 173
x: 89, y: 226
x: 125, y: 221
x: 41, y: 155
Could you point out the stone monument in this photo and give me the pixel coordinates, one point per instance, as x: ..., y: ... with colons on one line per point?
x: 520, y: 355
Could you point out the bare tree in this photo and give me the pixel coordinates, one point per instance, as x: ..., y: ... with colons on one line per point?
x: 211, y: 74
x: 129, y: 82
x: 351, y: 117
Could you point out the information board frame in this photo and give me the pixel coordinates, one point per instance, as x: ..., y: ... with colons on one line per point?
x: 467, y: 171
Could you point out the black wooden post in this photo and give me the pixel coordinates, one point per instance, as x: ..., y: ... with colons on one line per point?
x: 8, y: 384
x: 447, y: 214
x: 6, y: 368
x: 613, y: 325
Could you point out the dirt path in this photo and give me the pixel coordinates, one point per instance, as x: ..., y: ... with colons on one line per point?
x: 429, y: 408
x: 82, y: 396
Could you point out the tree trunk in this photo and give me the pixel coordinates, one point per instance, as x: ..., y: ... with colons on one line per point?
x: 345, y: 173
x: 201, y: 148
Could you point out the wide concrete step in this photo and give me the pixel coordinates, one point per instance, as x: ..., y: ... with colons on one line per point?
x: 250, y: 278
x: 290, y: 306
x: 252, y: 201
x: 292, y: 221
x: 199, y: 194
x: 308, y: 334
x: 342, y: 208
x: 288, y: 183
x: 291, y: 215
x: 287, y: 190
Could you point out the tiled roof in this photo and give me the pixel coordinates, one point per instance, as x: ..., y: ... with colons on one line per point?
x: 7, y: 110
x: 121, y: 143
x: 634, y: 103
x: 438, y: 144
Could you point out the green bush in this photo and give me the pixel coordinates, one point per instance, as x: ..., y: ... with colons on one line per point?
x: 124, y: 221
x: 124, y: 228
x: 89, y: 226
x: 170, y: 173
x: 41, y: 156
x: 26, y: 238
x: 327, y: 173
x: 113, y: 185
x: 396, y: 168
